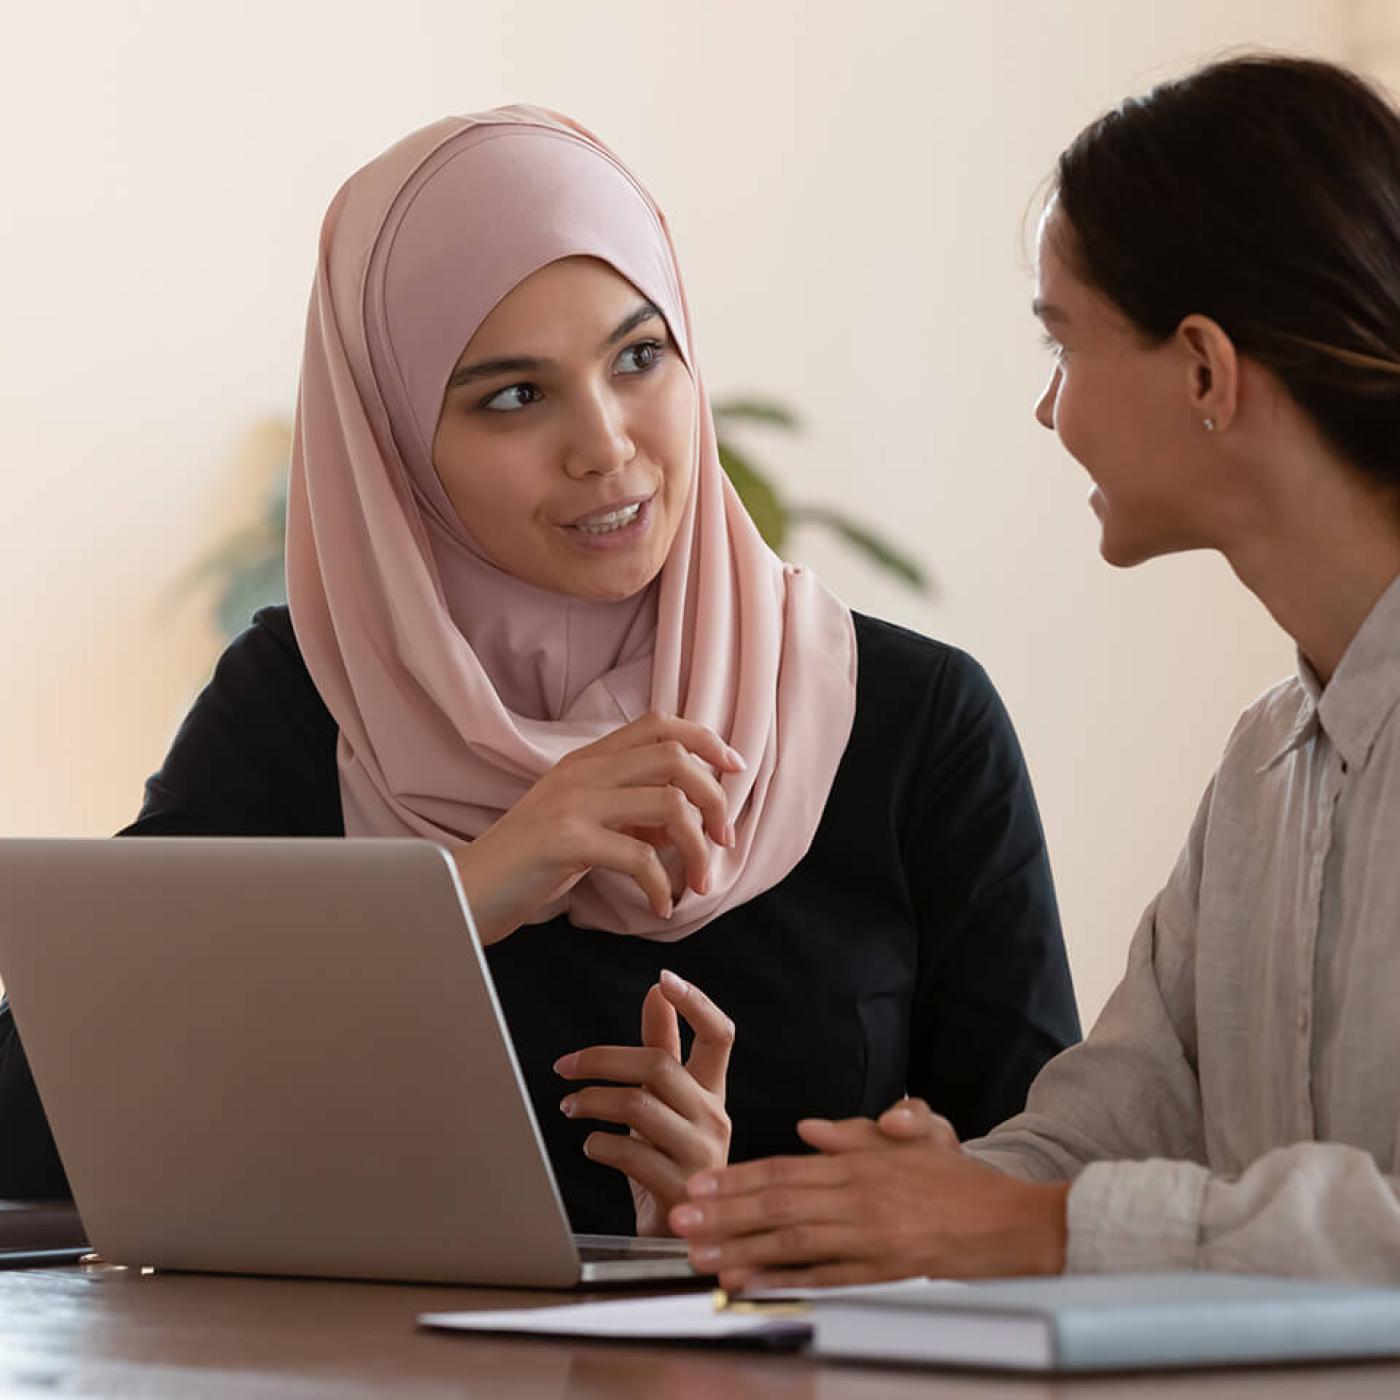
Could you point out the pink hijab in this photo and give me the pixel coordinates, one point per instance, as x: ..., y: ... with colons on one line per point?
x: 456, y: 686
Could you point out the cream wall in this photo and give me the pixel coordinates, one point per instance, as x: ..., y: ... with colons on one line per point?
x: 847, y: 185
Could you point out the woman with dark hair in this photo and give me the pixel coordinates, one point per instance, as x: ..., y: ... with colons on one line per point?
x: 1219, y: 280
x: 530, y: 620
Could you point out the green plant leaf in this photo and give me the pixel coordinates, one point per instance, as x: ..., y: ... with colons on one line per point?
x: 275, y: 513
x: 879, y: 551
x: 243, y: 549
x: 762, y: 502
x: 249, y: 588
x: 756, y: 411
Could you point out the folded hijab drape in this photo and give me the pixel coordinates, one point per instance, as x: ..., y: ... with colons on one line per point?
x: 455, y: 686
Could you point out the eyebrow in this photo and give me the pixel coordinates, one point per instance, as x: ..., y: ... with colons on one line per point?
x: 526, y: 364
x: 1048, y: 312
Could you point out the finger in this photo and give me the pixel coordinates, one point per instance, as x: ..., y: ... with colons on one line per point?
x: 912, y: 1119
x: 777, y: 1208
x: 660, y: 764
x: 844, y: 1135
x: 658, y: 838
x: 633, y: 1107
x: 815, y: 1276
x: 793, y: 1244
x: 653, y: 728
x: 714, y: 1031
x: 725, y: 1183
x: 660, y: 1028
x: 596, y: 847
x: 667, y: 808
x: 639, y: 1161
x: 644, y: 1067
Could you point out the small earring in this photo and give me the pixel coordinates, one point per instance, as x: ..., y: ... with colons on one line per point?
x: 1209, y: 425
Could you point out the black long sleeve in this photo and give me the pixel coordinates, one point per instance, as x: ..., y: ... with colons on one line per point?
x: 992, y: 1001
x: 30, y: 1169
x: 916, y: 946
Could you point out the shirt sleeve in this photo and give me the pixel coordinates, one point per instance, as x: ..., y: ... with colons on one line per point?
x: 1120, y: 1116
x: 1130, y: 1091
x: 255, y: 756
x: 30, y: 1169
x: 1311, y: 1209
x: 993, y: 999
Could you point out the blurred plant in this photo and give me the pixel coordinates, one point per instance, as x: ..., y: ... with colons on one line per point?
x: 247, y: 568
x: 776, y: 517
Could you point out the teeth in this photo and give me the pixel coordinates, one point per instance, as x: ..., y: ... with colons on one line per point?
x: 613, y: 520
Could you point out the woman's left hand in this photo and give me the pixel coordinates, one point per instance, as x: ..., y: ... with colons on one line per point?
x: 675, y: 1111
x: 879, y: 1201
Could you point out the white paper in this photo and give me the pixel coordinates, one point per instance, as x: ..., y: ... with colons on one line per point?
x: 689, y: 1317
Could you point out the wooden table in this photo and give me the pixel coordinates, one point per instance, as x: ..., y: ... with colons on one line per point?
x: 112, y: 1332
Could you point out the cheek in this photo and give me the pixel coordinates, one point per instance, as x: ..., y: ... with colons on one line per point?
x: 1099, y: 415
x: 671, y: 434
x: 486, y: 483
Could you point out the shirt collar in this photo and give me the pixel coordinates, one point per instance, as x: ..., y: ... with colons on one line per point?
x: 1306, y: 725
x: 1363, y: 690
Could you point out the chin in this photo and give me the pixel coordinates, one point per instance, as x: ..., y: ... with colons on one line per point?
x: 1116, y: 553
x: 1124, y: 551
x: 1131, y: 537
x: 1117, y: 546
x: 599, y: 588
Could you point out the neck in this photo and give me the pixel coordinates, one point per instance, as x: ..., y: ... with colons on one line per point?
x: 1319, y: 555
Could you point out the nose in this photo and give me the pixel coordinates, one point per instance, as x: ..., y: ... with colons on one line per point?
x: 1045, y: 405
x: 599, y: 443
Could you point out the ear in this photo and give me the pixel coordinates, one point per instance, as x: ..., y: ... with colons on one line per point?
x: 1213, y: 371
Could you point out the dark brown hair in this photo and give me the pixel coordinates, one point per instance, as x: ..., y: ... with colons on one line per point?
x: 1263, y: 192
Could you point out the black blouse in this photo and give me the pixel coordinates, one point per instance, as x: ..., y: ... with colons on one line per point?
x: 916, y: 947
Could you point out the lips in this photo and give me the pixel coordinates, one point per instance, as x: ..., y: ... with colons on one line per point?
x: 605, y: 524
x: 612, y: 527
x: 604, y: 519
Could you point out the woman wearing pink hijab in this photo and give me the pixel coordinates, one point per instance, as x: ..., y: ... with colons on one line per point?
x: 530, y: 620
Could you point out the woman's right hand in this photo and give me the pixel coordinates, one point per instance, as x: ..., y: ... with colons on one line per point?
x: 606, y: 806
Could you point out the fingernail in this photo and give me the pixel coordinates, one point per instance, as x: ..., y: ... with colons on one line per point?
x: 566, y: 1064
x: 676, y: 984
x: 566, y: 1106
x: 669, y: 909
x: 704, y: 886
x: 730, y: 836
x: 684, y: 1217
x: 738, y: 760
x: 706, y: 1255
x: 703, y: 1185
x: 904, y: 1115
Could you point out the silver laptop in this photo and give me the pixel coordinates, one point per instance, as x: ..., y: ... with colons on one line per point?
x: 285, y: 1057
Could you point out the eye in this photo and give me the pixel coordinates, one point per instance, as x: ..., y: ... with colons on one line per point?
x: 512, y: 398
x: 639, y: 358
x: 1052, y: 345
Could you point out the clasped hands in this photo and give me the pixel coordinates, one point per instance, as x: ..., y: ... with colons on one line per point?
x: 880, y: 1200
x: 617, y: 804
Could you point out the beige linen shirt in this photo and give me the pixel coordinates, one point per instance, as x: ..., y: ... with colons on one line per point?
x: 1236, y: 1106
